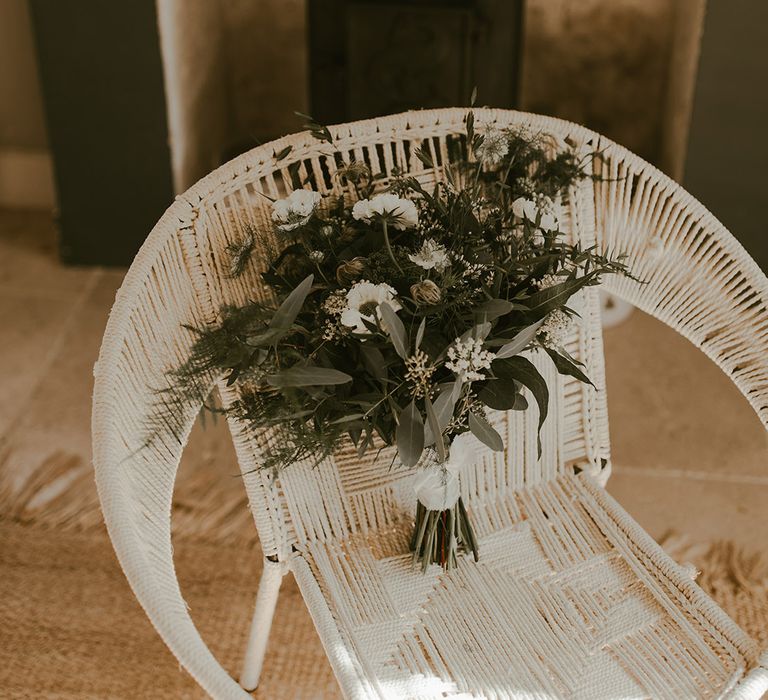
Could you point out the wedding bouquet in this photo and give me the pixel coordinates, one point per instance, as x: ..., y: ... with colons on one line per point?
x: 400, y: 314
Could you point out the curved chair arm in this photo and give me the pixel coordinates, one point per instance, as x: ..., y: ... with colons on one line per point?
x: 143, y: 338
x: 698, y: 278
x: 755, y: 684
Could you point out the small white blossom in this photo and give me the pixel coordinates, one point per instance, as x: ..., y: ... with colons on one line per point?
x: 494, y: 146
x: 549, y: 281
x: 316, y: 256
x: 431, y: 255
x: 466, y: 358
x: 529, y: 209
x: 400, y: 213
x: 363, y: 301
x: 295, y: 210
x: 335, y: 303
x: 555, y: 329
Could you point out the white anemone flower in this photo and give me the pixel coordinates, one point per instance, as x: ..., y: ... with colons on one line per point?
x: 295, y: 210
x: 529, y: 209
x: 363, y: 302
x: 431, y: 255
x: 400, y: 213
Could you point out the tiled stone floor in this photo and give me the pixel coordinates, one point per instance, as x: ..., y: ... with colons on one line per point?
x: 688, y: 452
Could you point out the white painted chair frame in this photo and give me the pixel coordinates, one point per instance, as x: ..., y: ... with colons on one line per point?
x: 701, y: 283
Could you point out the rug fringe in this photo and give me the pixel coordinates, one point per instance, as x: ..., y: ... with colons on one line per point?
x: 61, y: 493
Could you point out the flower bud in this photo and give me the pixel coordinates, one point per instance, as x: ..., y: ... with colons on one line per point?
x: 425, y: 293
x: 350, y: 270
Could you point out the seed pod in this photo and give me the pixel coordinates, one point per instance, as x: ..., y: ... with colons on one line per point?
x: 425, y: 293
x: 350, y: 270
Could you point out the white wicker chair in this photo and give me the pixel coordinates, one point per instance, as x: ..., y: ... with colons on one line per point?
x: 571, y: 598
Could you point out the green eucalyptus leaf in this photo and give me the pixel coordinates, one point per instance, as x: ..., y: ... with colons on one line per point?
x: 373, y: 361
x: 348, y: 419
x: 540, y: 303
x: 442, y: 408
x: 283, y: 153
x: 436, y: 432
x: 519, y: 342
x: 485, y: 432
x: 566, y: 366
x: 524, y: 371
x: 409, y: 435
x: 395, y: 329
x: 288, y: 311
x: 420, y: 332
x: 305, y: 376
x: 494, y: 308
x: 502, y: 395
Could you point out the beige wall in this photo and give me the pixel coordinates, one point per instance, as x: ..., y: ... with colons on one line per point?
x: 602, y: 63
x: 26, y: 177
x: 21, y: 111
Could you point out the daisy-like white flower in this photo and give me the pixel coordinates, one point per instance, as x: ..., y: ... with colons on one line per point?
x: 555, y: 329
x: 466, y: 358
x: 529, y: 209
x: 431, y: 255
x: 363, y: 301
x: 398, y: 212
x: 295, y: 210
x: 494, y: 146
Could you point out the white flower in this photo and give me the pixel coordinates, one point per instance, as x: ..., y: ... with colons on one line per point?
x: 295, y: 210
x: 549, y: 281
x: 363, y: 301
x: 546, y: 206
x: 555, y: 329
x: 437, y: 483
x: 467, y: 357
x: 529, y: 209
x: 400, y: 213
x: 316, y: 256
x: 494, y: 146
x: 336, y: 303
x: 431, y: 255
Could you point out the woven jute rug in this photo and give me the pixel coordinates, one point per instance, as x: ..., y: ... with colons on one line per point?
x: 71, y: 628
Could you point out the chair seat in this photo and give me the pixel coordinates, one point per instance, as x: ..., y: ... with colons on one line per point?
x: 570, y: 598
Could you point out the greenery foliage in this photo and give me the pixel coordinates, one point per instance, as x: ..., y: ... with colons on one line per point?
x: 401, y: 319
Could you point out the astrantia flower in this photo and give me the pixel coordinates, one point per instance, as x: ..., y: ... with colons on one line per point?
x: 295, y: 210
x: 529, y: 209
x: 431, y: 255
x: 555, y: 329
x: 494, y: 146
x: 466, y: 358
x: 397, y: 212
x: 363, y: 301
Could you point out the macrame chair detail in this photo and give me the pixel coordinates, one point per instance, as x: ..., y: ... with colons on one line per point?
x: 571, y: 598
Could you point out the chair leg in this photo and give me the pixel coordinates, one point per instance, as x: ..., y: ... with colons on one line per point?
x: 264, y: 609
